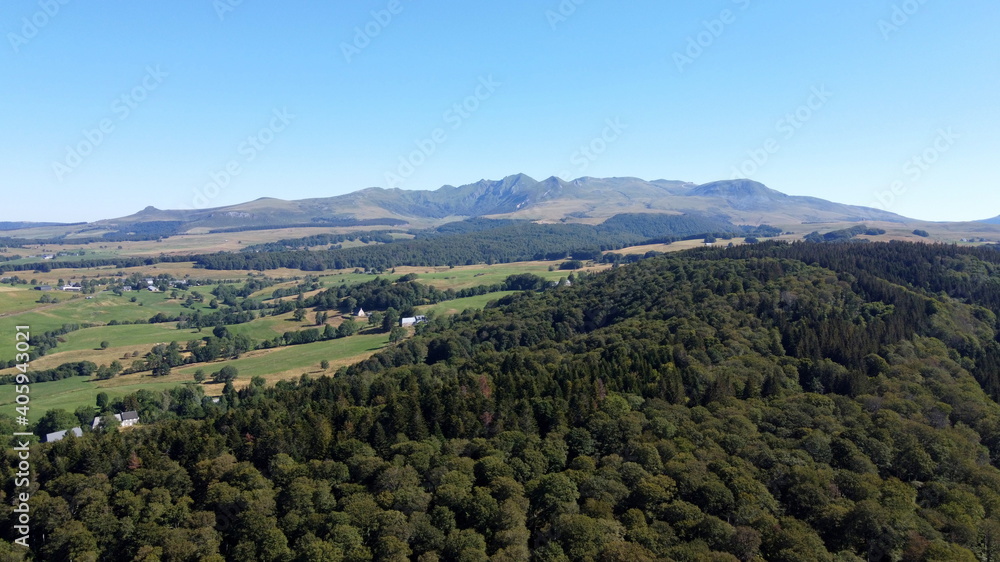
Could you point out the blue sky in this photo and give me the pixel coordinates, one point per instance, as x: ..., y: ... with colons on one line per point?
x: 109, y: 107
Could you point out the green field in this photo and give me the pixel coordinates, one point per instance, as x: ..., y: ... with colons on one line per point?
x: 268, y: 327
x: 69, y: 394
x: 19, y: 299
x: 476, y: 275
x: 458, y: 305
x: 103, y: 308
x: 273, y: 365
x: 278, y: 363
x: 122, y: 336
x: 328, y: 281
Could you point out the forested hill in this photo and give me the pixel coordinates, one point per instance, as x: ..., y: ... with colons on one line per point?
x: 782, y: 403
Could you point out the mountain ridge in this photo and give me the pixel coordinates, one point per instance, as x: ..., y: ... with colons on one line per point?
x: 517, y: 196
x: 553, y: 198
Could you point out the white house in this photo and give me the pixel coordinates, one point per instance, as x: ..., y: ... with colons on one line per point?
x: 361, y: 313
x: 129, y: 418
x: 125, y: 419
x: 72, y: 288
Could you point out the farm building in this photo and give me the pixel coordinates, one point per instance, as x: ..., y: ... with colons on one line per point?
x: 58, y: 435
x: 411, y: 320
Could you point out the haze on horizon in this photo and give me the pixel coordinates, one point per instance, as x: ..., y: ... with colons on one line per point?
x: 889, y: 104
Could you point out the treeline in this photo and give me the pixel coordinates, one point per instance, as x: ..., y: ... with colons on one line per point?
x: 121, y: 263
x: 64, y: 371
x: 503, y: 244
x: 45, y: 342
x: 511, y: 241
x: 383, y: 237
x: 843, y: 235
x: 317, y: 223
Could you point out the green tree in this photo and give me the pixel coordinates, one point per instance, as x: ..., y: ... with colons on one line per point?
x: 390, y: 320
x: 55, y: 420
x: 397, y: 333
x: 329, y: 332
x: 84, y: 415
x: 348, y: 328
x: 225, y: 375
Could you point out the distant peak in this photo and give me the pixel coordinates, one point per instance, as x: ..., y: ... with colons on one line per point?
x: 741, y: 188
x: 519, y: 177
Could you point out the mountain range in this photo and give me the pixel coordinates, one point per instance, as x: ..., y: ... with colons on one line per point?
x: 519, y: 196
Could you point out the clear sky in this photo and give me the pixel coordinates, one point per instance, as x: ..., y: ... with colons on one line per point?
x: 107, y: 107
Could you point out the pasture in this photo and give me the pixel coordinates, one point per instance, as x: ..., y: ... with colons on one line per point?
x: 286, y: 363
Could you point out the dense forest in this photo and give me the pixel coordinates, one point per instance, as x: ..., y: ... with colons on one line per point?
x: 488, y: 241
x: 766, y: 402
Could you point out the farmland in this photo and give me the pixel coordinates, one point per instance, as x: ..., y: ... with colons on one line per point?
x: 118, y: 329
x: 273, y: 365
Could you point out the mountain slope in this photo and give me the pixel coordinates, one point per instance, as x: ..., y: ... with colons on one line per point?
x: 519, y: 196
